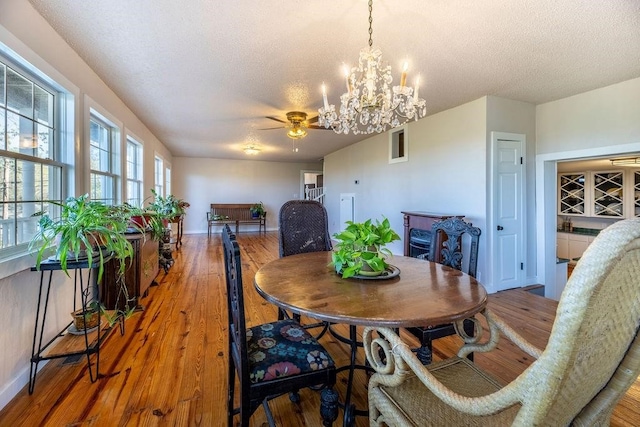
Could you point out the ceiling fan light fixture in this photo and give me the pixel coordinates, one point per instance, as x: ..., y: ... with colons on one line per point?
x: 370, y: 104
x: 251, y: 150
x: 297, y: 132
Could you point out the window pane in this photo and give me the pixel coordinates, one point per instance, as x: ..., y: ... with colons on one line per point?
x: 2, y: 130
x: 44, y: 142
x: 43, y: 106
x: 102, y: 189
x: 19, y: 94
x: 27, y: 188
x: 2, y: 83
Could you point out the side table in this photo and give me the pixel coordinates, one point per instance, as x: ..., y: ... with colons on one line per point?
x: 64, y: 344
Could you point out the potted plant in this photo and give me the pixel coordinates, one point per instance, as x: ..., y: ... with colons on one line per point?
x: 168, y: 207
x: 361, y: 248
x: 86, y: 230
x: 257, y: 210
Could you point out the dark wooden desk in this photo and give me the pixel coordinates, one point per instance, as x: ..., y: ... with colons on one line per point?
x: 424, y: 294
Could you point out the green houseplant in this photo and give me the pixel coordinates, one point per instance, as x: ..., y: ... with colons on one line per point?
x: 167, y: 207
x: 361, y: 248
x: 88, y: 230
x: 257, y: 210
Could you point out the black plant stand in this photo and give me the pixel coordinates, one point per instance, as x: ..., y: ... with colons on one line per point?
x: 82, y: 288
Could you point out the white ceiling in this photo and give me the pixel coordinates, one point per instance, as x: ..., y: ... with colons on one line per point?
x: 203, y: 74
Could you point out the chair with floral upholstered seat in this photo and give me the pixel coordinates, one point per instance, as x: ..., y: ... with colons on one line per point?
x: 590, y: 361
x: 271, y: 359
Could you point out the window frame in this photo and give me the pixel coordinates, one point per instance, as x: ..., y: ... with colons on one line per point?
x: 158, y: 175
x: 138, y: 165
x: 114, y: 158
x: 56, y: 158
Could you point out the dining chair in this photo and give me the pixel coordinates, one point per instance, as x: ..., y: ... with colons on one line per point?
x: 271, y: 359
x: 450, y: 254
x: 303, y: 227
x: 591, y: 359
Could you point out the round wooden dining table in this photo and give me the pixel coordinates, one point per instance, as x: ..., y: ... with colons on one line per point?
x: 422, y: 294
x: 415, y: 292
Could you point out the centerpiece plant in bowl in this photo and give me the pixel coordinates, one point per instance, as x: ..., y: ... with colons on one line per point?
x: 361, y: 248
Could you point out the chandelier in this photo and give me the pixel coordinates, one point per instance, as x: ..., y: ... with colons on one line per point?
x: 370, y: 104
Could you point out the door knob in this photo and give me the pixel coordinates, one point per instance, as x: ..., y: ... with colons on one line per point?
x: 500, y: 228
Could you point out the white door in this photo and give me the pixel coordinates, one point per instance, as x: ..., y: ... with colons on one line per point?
x: 347, y: 209
x: 508, y: 220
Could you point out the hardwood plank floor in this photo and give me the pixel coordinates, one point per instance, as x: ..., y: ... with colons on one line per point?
x: 170, y: 367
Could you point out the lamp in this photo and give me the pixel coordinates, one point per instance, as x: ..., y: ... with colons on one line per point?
x: 628, y: 161
x: 370, y: 104
x: 251, y: 150
x: 297, y: 132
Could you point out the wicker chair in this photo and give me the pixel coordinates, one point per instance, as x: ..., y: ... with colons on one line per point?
x: 451, y: 255
x: 262, y: 374
x: 303, y: 227
x: 591, y: 359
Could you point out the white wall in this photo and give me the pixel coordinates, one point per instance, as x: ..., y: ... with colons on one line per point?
x: 505, y: 115
x: 205, y: 181
x: 24, y: 31
x: 446, y: 173
x: 600, y: 122
x: 599, y: 118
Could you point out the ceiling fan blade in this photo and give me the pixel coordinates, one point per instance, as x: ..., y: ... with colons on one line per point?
x: 277, y: 127
x: 313, y: 120
x: 318, y: 127
x: 276, y: 119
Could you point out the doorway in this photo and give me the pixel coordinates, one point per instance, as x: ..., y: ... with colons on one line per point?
x: 546, y: 204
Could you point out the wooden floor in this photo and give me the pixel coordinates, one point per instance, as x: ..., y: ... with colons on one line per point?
x: 170, y: 366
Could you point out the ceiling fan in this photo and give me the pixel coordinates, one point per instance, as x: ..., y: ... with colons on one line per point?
x: 297, y: 124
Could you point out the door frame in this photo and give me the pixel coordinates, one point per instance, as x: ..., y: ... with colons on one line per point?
x: 491, y: 220
x: 546, y: 205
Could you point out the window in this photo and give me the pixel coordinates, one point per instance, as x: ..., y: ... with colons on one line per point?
x: 399, y: 145
x: 167, y: 181
x: 104, y: 160
x: 134, y: 172
x: 30, y: 168
x: 158, y: 180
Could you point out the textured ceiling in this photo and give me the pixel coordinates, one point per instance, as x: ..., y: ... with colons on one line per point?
x: 203, y: 74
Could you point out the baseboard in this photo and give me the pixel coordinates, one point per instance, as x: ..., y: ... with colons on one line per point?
x: 17, y: 384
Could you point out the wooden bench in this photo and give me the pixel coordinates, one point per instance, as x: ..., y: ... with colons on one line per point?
x: 234, y: 213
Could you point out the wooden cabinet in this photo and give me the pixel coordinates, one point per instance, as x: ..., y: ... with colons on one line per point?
x: 600, y: 194
x: 139, y: 275
x: 572, y: 193
x: 562, y: 242
x: 571, y: 245
x: 608, y: 194
x: 636, y: 195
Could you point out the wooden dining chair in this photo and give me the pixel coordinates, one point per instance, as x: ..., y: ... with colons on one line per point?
x: 273, y: 358
x: 449, y: 254
x: 591, y: 359
x: 303, y: 227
